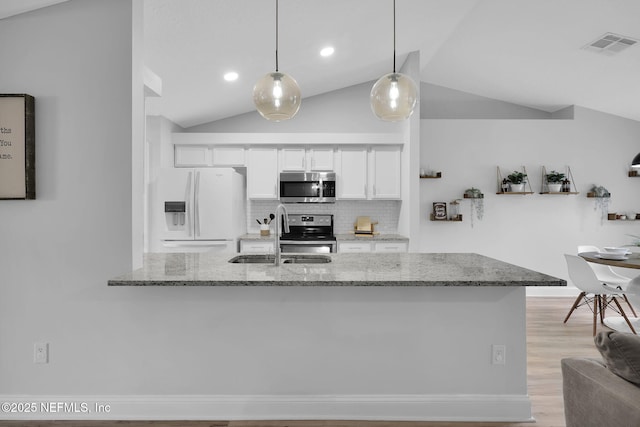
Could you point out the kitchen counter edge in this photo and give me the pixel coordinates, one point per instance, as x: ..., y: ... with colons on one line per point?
x: 377, y: 270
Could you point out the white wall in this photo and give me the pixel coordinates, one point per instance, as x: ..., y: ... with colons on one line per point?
x: 439, y: 102
x: 533, y: 231
x: 58, y: 251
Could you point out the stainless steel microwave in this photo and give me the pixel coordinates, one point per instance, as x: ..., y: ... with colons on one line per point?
x: 308, y: 187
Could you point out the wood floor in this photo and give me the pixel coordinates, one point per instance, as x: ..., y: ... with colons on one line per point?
x: 548, y: 341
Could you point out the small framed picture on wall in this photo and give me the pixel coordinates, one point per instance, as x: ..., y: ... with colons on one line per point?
x: 440, y: 211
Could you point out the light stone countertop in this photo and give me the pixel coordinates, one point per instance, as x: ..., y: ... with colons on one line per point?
x: 350, y: 237
x: 346, y: 237
x: 256, y: 236
x: 375, y: 269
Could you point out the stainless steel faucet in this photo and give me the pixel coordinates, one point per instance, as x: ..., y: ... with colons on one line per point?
x: 281, y: 210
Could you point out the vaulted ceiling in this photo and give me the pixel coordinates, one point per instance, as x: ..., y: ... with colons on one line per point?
x: 528, y: 52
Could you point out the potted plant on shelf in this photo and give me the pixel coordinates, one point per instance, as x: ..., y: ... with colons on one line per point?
x: 473, y: 193
x: 516, y: 181
x: 554, y: 181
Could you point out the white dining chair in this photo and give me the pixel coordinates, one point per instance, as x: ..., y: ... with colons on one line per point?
x: 606, y: 275
x: 593, y: 293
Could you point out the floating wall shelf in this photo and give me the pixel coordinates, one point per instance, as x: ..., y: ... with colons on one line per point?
x: 457, y: 219
x: 526, y: 184
x: 544, y: 188
x: 437, y: 175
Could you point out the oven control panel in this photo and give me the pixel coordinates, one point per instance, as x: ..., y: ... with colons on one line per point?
x: 306, y: 219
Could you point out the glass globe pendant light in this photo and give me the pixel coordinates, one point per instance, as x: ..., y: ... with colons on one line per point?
x: 394, y: 95
x: 277, y: 95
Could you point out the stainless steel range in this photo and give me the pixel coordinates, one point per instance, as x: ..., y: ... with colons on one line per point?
x: 309, y: 233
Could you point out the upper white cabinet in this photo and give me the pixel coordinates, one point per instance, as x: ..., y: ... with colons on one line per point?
x: 351, y: 173
x: 190, y: 156
x: 262, y: 173
x: 293, y: 159
x: 321, y: 159
x: 368, y: 174
x: 367, y: 166
x: 228, y: 156
x: 206, y: 156
x: 385, y: 172
x: 306, y: 160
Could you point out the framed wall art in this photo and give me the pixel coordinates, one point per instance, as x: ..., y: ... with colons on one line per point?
x: 440, y: 211
x: 17, y: 147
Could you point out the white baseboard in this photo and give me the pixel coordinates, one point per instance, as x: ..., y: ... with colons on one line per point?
x: 496, y: 408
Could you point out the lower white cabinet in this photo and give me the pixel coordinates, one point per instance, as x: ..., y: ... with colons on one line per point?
x: 362, y: 247
x: 256, y: 247
x: 390, y: 247
x: 354, y: 247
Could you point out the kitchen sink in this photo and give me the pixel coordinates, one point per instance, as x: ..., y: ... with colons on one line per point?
x: 286, y: 259
x: 252, y: 259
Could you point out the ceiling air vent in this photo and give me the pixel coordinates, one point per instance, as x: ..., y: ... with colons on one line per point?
x: 610, y: 44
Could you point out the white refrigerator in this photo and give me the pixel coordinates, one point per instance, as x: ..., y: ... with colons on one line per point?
x: 201, y: 209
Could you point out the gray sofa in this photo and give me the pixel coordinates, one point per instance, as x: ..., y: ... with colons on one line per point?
x: 604, y: 393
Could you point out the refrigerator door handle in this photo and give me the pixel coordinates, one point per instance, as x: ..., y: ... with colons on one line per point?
x: 189, y: 197
x: 196, y: 205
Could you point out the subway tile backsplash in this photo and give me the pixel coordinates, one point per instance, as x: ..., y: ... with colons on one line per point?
x: 386, y: 212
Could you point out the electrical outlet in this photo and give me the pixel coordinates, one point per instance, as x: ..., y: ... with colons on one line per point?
x: 41, y: 352
x: 498, y: 354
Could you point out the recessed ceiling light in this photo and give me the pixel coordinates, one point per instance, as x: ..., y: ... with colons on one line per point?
x: 327, y: 51
x: 231, y: 76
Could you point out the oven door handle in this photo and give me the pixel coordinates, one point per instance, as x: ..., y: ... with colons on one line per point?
x: 307, y: 242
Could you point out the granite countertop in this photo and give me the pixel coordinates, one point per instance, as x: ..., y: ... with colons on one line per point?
x: 375, y: 269
x: 350, y: 237
x: 255, y: 236
x: 347, y: 237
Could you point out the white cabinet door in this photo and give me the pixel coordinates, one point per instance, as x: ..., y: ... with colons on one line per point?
x: 228, y: 156
x: 320, y: 159
x: 188, y: 156
x: 306, y: 160
x: 256, y: 247
x: 385, y: 173
x: 262, y: 173
x: 390, y: 247
x: 293, y: 159
x: 354, y: 247
x: 351, y: 173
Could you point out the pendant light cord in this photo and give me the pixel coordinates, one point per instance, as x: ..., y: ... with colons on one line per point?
x: 277, y: 36
x: 394, y: 36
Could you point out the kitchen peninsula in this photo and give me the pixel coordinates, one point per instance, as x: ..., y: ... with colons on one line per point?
x: 402, y: 269
x: 403, y: 336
